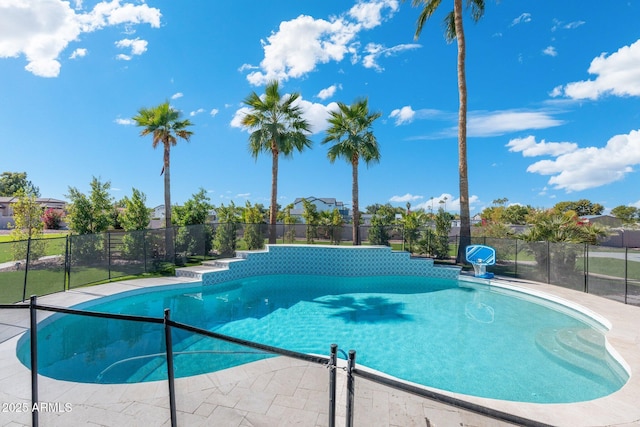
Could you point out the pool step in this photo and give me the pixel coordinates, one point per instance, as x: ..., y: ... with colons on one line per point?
x: 197, y: 271
x: 579, y: 349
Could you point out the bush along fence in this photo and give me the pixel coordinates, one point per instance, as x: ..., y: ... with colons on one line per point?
x: 44, y: 266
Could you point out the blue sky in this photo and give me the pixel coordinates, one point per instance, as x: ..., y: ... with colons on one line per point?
x: 553, y: 86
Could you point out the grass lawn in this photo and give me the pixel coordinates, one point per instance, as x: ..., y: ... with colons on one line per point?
x: 55, y: 244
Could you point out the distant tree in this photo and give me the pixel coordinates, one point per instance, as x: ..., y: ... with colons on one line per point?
x: 516, y: 214
x: 581, y: 207
x: 90, y: 214
x: 27, y: 216
x: 454, y: 31
x: 628, y: 214
x: 278, y: 128
x: 350, y: 131
x: 12, y: 182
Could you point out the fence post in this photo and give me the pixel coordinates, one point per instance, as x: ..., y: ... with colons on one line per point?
x: 586, y: 268
x: 170, y: 376
x: 626, y: 266
x: 33, y: 314
x: 548, y: 262
x: 109, y: 254
x: 26, y: 270
x: 332, y: 385
x: 65, y: 283
x: 144, y: 248
x: 351, y: 364
x: 516, y: 260
x: 68, y: 260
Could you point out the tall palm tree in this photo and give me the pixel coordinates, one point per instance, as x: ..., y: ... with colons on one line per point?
x: 164, y: 124
x: 350, y: 131
x: 279, y: 128
x: 455, y: 31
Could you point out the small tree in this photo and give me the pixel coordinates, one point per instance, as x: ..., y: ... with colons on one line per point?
x: 383, y: 217
x: 443, y: 227
x: 289, y: 222
x: 135, y: 219
x: 194, y: 235
x: 225, y: 237
x: 253, y: 219
x: 311, y: 217
x: 337, y: 222
x: 410, y: 222
x: 28, y: 225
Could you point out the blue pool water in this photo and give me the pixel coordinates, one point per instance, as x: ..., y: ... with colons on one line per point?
x: 453, y: 335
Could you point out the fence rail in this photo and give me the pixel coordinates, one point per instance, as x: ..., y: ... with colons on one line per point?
x: 44, y: 266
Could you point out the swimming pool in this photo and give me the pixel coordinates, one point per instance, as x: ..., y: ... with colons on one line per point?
x: 455, y: 335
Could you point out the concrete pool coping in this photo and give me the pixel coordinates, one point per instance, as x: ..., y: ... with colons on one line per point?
x: 219, y: 396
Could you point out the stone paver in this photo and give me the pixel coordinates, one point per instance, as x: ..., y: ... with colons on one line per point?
x: 282, y: 391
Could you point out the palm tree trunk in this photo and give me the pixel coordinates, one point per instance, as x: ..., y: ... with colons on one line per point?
x: 465, y: 220
x: 354, y: 197
x: 168, y: 237
x: 273, y: 209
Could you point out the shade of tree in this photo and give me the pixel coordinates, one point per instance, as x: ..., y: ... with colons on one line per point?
x: 454, y: 31
x: 628, y: 214
x: 164, y: 124
x: 278, y: 128
x: 12, y: 182
x: 351, y: 133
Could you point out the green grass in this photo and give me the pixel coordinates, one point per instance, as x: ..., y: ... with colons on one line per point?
x: 614, y: 267
x: 55, y: 244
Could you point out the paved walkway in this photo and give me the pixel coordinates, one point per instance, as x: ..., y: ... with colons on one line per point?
x: 282, y: 391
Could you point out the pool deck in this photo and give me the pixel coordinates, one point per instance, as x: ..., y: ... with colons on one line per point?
x: 283, y: 391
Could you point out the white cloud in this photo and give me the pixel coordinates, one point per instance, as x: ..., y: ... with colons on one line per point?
x: 299, y: 45
x: 550, y: 51
x: 196, y: 112
x: 375, y: 51
x: 124, y: 122
x: 403, y: 115
x: 214, y: 112
x: 328, y: 92
x: 616, y: 74
x: 369, y: 14
x: 138, y: 47
x: 530, y: 148
x: 42, y: 29
x: 569, y: 26
x: 78, y: 53
x: 177, y: 95
x: 447, y: 202
x: 501, y: 122
x: 591, y: 167
x: 406, y: 198
x: 523, y: 18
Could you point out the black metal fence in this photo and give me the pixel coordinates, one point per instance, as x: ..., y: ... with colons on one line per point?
x: 44, y: 266
x: 316, y: 377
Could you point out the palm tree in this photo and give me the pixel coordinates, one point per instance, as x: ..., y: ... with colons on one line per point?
x: 163, y: 122
x: 350, y: 131
x: 279, y: 129
x: 455, y: 31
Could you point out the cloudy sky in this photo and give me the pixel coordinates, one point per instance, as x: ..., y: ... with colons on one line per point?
x: 553, y: 102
